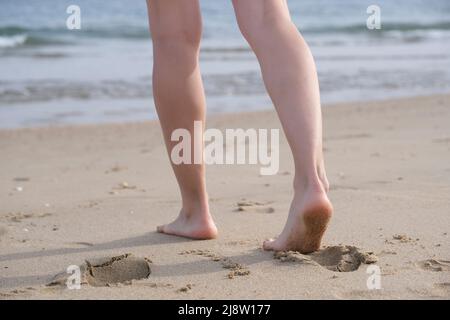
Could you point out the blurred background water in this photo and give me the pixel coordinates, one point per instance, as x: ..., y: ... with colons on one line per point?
x: 102, y: 73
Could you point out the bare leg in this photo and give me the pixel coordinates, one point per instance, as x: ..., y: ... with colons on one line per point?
x: 290, y: 77
x: 176, y: 29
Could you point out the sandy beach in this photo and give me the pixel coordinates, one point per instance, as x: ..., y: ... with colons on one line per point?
x: 77, y: 193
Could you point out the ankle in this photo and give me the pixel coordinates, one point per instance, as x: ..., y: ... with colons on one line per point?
x: 303, y: 184
x: 197, y: 206
x: 310, y: 195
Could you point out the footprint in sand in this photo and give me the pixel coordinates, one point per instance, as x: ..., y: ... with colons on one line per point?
x: 103, y: 272
x: 434, y: 265
x: 235, y: 268
x: 254, y: 206
x: 335, y: 258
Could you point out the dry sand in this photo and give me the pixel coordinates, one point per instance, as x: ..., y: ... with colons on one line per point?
x: 80, y: 193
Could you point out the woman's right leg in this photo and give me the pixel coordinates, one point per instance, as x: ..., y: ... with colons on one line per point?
x: 178, y: 93
x: 290, y: 76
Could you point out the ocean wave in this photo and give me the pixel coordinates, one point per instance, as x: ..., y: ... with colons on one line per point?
x: 12, y: 41
x: 385, y: 26
x: 20, y: 40
x: 17, y: 36
x: 115, y: 31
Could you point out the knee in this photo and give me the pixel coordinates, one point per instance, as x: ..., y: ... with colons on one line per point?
x: 250, y: 30
x: 258, y: 31
x: 185, y: 39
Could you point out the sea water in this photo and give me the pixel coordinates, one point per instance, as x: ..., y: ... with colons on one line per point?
x: 50, y: 75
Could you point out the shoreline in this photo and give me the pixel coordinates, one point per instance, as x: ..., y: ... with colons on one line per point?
x: 77, y: 192
x: 213, y: 114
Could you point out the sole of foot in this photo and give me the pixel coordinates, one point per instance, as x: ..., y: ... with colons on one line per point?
x: 306, y: 229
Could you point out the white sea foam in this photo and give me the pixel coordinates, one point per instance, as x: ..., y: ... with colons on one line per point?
x: 12, y: 41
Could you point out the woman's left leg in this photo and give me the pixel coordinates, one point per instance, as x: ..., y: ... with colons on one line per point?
x: 290, y: 77
x: 176, y: 28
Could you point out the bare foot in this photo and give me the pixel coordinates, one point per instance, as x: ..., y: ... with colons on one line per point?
x: 192, y: 226
x: 308, y: 219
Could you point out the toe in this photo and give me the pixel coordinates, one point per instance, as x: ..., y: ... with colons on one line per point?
x: 268, y: 245
x: 160, y: 229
